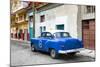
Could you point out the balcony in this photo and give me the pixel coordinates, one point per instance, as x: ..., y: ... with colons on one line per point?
x: 88, y: 16
x: 21, y: 20
x: 13, y: 24
x: 88, y: 12
x: 39, y: 4
x: 19, y: 7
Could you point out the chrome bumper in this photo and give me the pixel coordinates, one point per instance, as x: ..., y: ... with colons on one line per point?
x: 70, y: 51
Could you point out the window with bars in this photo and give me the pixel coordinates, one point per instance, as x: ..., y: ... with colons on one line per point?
x: 42, y: 28
x: 90, y: 9
x: 20, y: 18
x: 42, y: 18
x: 30, y: 18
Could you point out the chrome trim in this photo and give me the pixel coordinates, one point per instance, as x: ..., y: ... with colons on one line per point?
x: 69, y: 51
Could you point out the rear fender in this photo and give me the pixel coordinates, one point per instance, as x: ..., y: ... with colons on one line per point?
x: 53, y: 45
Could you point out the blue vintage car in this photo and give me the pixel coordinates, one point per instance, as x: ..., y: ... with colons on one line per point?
x: 56, y: 43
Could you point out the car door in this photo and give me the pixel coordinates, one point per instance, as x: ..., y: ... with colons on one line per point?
x: 41, y: 43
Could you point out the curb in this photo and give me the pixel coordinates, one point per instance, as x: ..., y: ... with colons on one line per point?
x: 87, y: 52
x: 21, y: 40
x: 88, y: 56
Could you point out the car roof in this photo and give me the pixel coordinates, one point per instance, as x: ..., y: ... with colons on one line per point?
x: 54, y: 31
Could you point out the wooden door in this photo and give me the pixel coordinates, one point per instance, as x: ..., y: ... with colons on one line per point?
x: 88, y: 33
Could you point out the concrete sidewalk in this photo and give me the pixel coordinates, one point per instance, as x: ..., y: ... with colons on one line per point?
x: 20, y: 40
x: 87, y: 52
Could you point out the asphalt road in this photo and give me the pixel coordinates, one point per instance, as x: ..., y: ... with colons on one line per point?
x: 22, y: 55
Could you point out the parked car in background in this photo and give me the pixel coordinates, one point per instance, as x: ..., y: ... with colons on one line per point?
x: 56, y: 43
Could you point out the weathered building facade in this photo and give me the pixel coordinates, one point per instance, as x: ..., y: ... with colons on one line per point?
x: 19, y: 20
x: 32, y: 18
x: 78, y: 20
x: 58, y: 17
x: 88, y: 26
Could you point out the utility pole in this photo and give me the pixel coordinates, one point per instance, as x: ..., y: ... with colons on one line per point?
x: 33, y: 9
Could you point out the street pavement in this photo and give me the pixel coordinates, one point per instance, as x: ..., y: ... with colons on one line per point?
x: 21, y: 55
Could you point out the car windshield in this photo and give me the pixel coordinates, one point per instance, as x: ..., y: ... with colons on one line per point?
x: 46, y: 34
x: 61, y: 34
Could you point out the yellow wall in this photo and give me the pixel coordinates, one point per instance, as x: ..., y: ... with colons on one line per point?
x: 23, y: 26
x: 13, y: 30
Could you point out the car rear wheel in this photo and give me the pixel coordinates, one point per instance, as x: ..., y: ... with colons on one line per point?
x: 53, y: 54
x: 33, y: 49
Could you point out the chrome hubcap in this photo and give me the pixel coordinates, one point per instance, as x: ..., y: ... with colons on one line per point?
x: 32, y: 47
x: 53, y: 53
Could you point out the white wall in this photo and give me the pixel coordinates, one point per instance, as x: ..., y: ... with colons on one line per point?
x: 65, y: 14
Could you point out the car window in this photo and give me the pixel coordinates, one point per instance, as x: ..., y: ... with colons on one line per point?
x: 65, y: 34
x: 61, y: 34
x: 46, y: 34
x: 43, y: 35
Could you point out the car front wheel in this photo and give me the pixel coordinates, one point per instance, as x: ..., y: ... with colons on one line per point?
x: 53, y: 54
x: 33, y: 49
